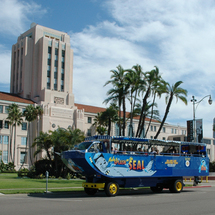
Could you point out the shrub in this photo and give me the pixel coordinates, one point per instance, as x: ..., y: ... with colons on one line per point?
x: 23, y: 172
x: 7, y: 168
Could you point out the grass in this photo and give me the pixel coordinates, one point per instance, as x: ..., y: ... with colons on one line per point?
x: 10, y: 183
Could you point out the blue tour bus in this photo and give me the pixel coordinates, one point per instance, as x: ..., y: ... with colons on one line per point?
x: 110, y: 162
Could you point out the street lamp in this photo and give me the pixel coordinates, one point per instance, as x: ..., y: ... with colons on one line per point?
x: 194, y: 114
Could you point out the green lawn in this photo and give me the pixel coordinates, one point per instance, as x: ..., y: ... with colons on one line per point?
x: 11, y: 183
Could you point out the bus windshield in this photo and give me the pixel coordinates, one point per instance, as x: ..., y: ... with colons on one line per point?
x: 83, y: 146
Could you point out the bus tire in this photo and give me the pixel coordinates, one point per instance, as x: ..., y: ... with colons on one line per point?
x: 176, y: 186
x: 90, y: 191
x: 157, y: 189
x: 111, y: 189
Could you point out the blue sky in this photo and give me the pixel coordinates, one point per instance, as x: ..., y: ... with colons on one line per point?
x: 177, y: 36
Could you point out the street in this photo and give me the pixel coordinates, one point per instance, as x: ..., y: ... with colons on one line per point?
x: 190, y: 201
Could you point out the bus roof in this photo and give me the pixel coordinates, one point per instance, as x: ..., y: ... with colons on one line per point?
x: 122, y: 139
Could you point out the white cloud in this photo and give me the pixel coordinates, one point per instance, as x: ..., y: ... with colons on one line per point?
x: 177, y: 36
x: 14, y: 15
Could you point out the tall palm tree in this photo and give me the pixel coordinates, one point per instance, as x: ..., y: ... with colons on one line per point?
x: 31, y: 113
x: 172, y: 91
x: 134, y: 78
x: 15, y: 118
x: 118, y: 93
x: 39, y: 113
x: 151, y: 79
x: 149, y: 108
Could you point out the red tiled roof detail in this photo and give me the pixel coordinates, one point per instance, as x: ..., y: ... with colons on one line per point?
x: 93, y: 109
x: 14, y: 98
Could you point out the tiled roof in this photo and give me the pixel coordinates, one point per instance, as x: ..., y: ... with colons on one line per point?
x: 14, y: 98
x: 94, y: 109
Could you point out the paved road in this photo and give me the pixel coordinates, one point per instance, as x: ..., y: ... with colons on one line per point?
x: 130, y: 202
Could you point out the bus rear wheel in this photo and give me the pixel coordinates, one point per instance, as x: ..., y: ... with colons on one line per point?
x: 176, y: 186
x: 111, y: 189
x: 90, y: 191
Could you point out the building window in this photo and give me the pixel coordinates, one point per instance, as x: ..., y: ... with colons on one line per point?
x: 89, y: 119
x: 22, y: 157
x: 5, y: 156
x: 1, y: 124
x: 164, y: 138
x: 49, y: 50
x: 24, y: 126
x: 172, y: 130
x: 48, y: 83
x: 48, y: 73
x: 56, y: 51
x: 23, y: 141
x: 151, y: 137
x: 1, y: 108
x: 151, y: 128
x: 154, y: 128
x: 5, y: 140
x: 6, y: 109
x: 175, y: 131
x: 55, y: 86
x: 49, y: 61
x: 63, y: 53
x: 6, y: 124
x: 62, y: 65
x: 164, y: 130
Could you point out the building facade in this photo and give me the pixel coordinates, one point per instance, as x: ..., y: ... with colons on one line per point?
x: 42, y: 74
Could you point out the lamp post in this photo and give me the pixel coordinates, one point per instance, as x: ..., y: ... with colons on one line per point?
x: 195, y: 105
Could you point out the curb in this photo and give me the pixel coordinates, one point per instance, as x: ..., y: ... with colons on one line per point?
x: 197, y: 186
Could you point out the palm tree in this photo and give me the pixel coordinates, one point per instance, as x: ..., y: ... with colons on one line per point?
x: 43, y: 142
x: 148, y: 112
x: 135, y: 82
x: 151, y: 79
x: 172, y: 91
x: 118, y: 93
x: 30, y: 115
x: 108, y: 116
x: 39, y: 113
x: 15, y: 118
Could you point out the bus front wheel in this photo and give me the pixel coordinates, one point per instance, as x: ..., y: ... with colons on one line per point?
x: 111, y: 189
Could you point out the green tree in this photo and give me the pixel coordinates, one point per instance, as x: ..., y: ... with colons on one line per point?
x: 172, y: 91
x: 64, y: 139
x: 15, y: 118
x: 135, y: 81
x: 151, y: 81
x: 31, y: 113
x: 118, y: 93
x: 43, y: 142
x: 108, y: 116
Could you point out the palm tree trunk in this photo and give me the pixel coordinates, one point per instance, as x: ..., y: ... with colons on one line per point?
x: 14, y: 144
x: 141, y: 123
x: 11, y: 137
x: 165, y: 116
x: 124, y: 116
x: 119, y: 117
x: 150, y: 116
